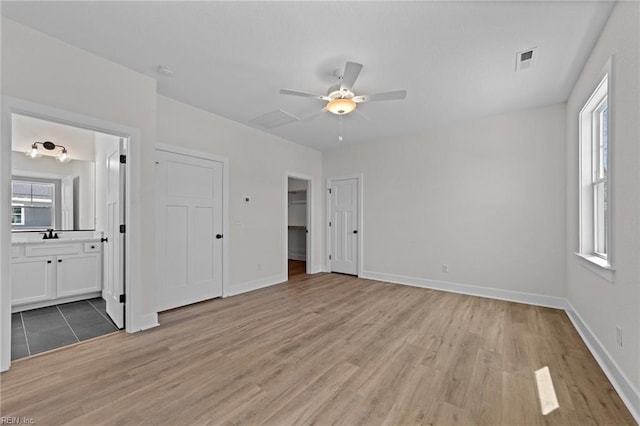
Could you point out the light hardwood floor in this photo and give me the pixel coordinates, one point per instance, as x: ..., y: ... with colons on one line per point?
x: 297, y: 267
x: 323, y: 349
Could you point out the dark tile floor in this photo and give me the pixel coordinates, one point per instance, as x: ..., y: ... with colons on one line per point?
x: 43, y: 329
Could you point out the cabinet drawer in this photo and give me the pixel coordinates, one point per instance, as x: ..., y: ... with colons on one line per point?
x: 92, y: 247
x: 52, y: 249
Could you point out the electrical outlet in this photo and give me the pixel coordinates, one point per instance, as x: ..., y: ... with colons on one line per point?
x: 445, y: 268
x: 619, y: 336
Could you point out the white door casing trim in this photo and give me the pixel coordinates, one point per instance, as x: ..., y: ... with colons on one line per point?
x: 360, y: 178
x: 135, y: 319
x: 310, y: 216
x: 225, y: 201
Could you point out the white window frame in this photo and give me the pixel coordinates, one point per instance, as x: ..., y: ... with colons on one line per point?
x: 595, y: 234
x: 21, y: 216
x: 54, y: 202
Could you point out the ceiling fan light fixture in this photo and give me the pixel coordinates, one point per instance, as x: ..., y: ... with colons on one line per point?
x: 341, y: 106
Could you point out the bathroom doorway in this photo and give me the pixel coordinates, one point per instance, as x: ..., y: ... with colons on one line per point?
x: 52, y: 245
x: 67, y: 187
x: 298, y: 225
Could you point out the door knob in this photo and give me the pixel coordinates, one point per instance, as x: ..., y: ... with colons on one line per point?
x: 355, y: 231
x: 218, y: 236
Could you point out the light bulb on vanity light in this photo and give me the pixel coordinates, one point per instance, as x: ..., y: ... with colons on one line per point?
x: 33, y: 152
x: 63, y: 157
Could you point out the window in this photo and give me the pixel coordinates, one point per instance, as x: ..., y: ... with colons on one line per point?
x: 32, y: 204
x: 595, y: 209
x: 17, y: 216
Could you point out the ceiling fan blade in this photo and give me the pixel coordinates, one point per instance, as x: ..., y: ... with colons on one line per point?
x: 361, y: 114
x: 350, y: 75
x: 386, y: 96
x: 304, y: 94
x: 313, y: 115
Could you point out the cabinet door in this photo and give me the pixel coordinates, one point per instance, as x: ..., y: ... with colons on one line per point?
x: 31, y: 280
x: 78, y: 274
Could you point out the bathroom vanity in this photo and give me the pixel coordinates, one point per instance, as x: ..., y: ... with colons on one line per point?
x: 54, y: 271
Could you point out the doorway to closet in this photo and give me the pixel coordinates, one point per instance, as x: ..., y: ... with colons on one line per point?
x: 298, y: 224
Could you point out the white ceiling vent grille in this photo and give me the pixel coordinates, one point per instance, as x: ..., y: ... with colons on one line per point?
x: 274, y: 119
x: 526, y: 59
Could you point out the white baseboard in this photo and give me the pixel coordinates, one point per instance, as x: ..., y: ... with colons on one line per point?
x: 625, y: 388
x: 319, y: 268
x: 488, y: 292
x: 60, y: 301
x: 297, y: 256
x: 236, y: 289
x: 144, y: 322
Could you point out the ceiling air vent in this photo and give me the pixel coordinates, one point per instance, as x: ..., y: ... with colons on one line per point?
x: 274, y: 119
x: 526, y: 59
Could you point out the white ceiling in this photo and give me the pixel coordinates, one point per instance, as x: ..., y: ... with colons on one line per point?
x: 456, y: 59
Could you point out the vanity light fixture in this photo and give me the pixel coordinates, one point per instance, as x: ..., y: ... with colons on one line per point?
x: 63, y: 157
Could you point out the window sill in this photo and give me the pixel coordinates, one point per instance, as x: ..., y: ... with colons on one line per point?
x: 598, y: 266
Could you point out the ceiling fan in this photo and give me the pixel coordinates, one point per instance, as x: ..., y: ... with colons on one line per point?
x: 340, y: 98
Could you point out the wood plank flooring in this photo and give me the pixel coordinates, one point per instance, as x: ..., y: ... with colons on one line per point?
x: 297, y: 267
x: 323, y: 349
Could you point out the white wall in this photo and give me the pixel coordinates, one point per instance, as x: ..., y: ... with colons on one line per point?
x: 40, y: 69
x: 603, y: 305
x: 486, y: 198
x: 295, y: 184
x: 27, y: 130
x: 258, y: 164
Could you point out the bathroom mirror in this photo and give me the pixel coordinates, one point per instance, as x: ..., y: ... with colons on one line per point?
x: 46, y: 192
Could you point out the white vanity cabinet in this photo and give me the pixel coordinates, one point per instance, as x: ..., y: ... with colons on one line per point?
x: 49, y: 273
x: 78, y: 274
x: 32, y: 279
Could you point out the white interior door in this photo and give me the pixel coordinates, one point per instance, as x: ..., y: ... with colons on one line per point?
x: 343, y: 228
x: 114, y: 248
x: 189, y: 229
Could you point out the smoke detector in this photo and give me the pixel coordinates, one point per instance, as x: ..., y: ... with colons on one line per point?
x: 526, y: 58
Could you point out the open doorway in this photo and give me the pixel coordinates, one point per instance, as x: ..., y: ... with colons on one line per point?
x: 127, y: 231
x: 298, y: 224
x: 67, y: 195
